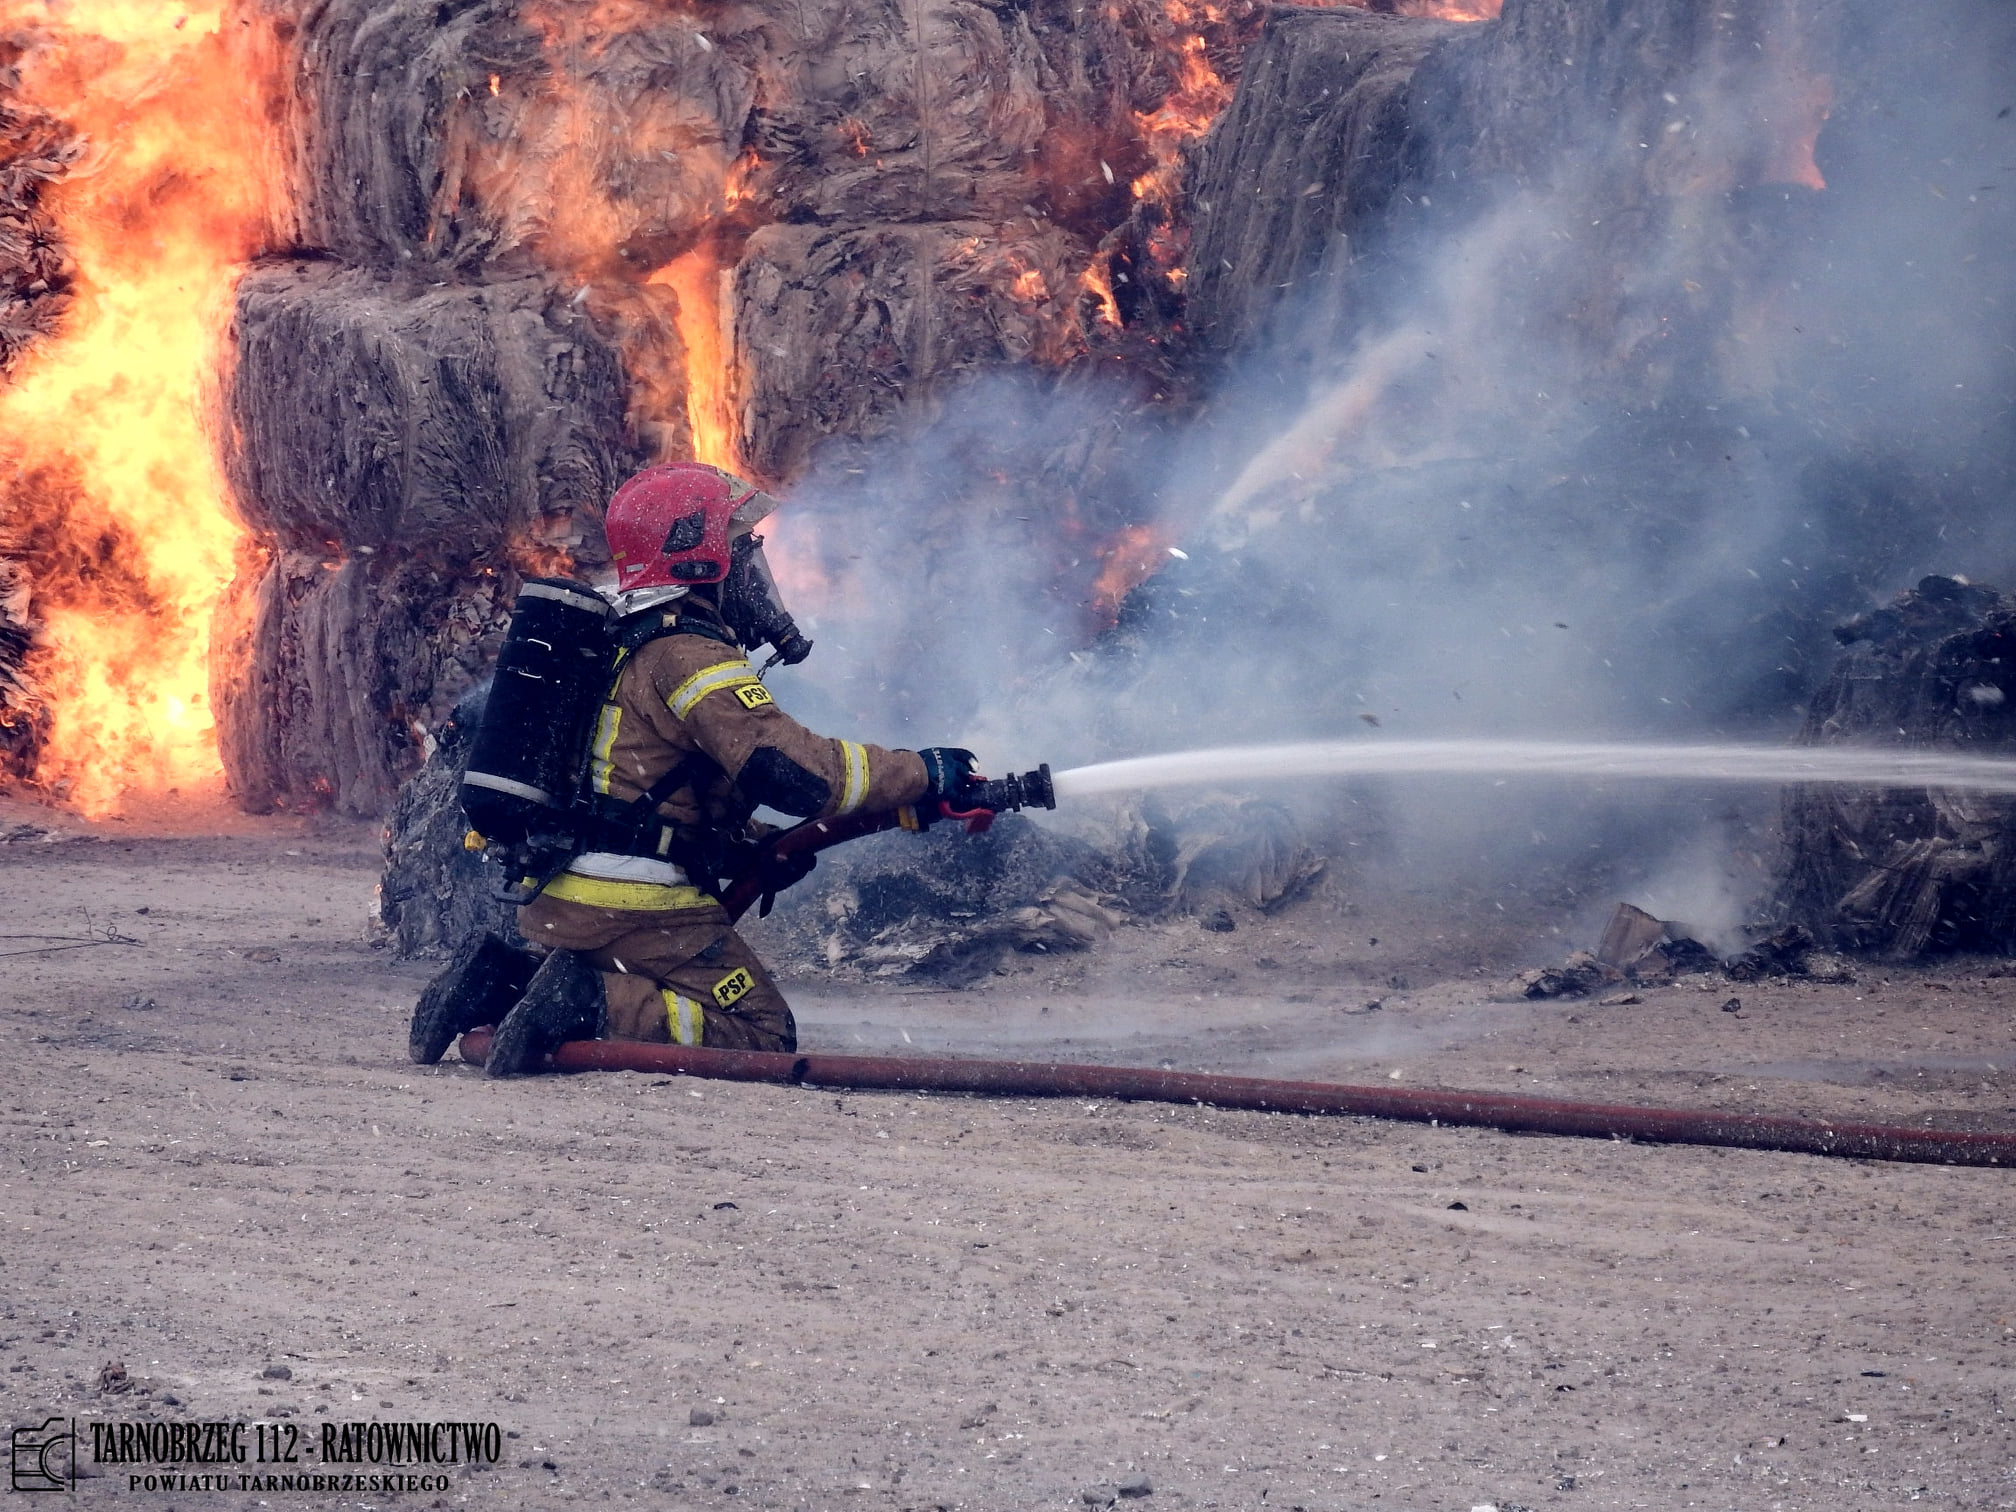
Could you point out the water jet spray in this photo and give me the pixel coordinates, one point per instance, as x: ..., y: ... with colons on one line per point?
x: 1588, y: 761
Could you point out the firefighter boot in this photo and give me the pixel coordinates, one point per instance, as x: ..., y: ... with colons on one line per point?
x: 480, y: 985
x: 564, y: 1002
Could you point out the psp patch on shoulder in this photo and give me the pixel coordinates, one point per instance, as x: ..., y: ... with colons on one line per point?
x: 734, y: 987
x: 754, y: 695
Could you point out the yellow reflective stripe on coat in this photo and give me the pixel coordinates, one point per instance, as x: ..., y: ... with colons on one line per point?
x: 709, y: 680
x: 647, y: 897
x: 600, y: 765
x: 856, y: 790
x: 683, y: 1017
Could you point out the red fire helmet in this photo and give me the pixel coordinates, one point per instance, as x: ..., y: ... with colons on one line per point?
x: 672, y: 524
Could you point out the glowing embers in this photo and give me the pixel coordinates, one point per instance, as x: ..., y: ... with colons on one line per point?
x: 108, y: 470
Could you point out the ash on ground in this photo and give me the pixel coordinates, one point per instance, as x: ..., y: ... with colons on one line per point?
x: 948, y: 907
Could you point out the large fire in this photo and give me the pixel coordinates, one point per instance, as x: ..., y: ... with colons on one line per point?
x: 107, y: 467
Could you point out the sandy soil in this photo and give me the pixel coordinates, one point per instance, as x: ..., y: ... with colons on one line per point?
x: 218, y: 1161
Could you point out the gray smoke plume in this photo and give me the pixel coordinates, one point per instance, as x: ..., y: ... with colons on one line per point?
x: 1610, y: 438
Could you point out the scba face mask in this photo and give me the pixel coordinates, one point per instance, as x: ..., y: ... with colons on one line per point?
x: 754, y: 610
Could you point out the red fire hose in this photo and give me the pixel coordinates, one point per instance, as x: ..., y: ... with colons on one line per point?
x: 1490, y: 1110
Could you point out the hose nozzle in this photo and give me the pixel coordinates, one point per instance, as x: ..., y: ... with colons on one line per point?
x: 1013, y: 792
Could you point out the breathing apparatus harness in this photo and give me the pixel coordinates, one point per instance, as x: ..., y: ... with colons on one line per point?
x: 526, y: 791
x: 706, y: 852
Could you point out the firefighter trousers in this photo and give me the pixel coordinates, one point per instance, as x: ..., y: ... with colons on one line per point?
x: 677, y: 976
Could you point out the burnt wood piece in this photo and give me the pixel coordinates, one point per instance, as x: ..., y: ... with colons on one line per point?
x: 1900, y: 872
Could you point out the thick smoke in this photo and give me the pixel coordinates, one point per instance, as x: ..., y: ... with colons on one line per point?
x: 1610, y: 442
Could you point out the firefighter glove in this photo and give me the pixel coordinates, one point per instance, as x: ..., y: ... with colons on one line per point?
x: 949, y: 771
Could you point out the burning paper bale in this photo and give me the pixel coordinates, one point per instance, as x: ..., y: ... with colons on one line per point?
x: 402, y: 449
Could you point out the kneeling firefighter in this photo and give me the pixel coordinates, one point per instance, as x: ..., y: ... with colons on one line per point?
x: 685, y: 745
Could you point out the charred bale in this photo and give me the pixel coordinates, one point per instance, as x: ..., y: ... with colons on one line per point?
x: 35, y: 271
x: 435, y: 894
x: 1300, y: 167
x: 1214, y: 849
x: 1903, y: 872
x: 842, y: 328
x: 23, y: 721
x: 458, y: 135
x: 1378, y: 134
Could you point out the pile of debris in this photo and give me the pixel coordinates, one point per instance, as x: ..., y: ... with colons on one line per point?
x: 948, y: 908
x: 1638, y: 949
x: 1901, y: 872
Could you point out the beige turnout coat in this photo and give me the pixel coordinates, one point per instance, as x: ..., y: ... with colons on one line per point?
x: 673, y: 968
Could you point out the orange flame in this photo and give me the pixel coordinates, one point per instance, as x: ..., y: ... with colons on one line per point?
x: 106, y: 450
x: 1097, y: 282
x: 698, y: 280
x: 1129, y: 559
x: 1186, y: 112
x: 608, y: 189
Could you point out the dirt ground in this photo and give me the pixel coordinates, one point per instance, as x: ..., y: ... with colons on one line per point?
x: 222, y: 1174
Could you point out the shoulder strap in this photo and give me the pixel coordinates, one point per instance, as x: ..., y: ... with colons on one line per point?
x: 694, y: 768
x: 627, y: 824
x: 650, y: 627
